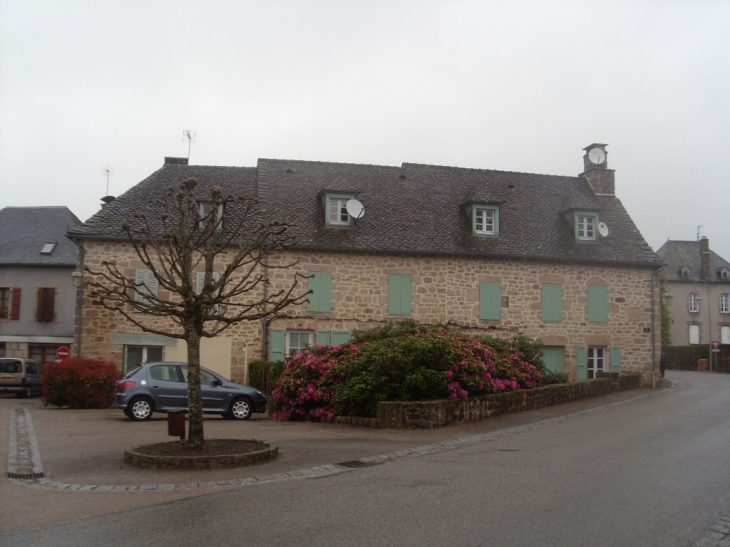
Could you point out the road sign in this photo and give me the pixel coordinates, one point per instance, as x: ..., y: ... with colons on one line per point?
x: 715, y: 344
x: 63, y: 353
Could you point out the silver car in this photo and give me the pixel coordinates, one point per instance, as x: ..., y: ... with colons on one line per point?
x: 22, y: 376
x: 163, y: 387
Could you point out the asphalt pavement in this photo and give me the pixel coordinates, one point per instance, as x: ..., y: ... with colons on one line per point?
x: 64, y: 465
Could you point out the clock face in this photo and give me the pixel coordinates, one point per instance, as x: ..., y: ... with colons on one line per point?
x: 596, y: 155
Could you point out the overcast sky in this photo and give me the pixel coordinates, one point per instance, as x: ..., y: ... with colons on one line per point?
x: 515, y: 86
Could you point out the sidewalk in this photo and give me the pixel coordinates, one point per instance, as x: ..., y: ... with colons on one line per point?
x: 81, y: 455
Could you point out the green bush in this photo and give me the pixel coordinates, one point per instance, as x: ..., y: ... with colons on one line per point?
x: 263, y: 375
x: 79, y: 383
x: 403, y: 362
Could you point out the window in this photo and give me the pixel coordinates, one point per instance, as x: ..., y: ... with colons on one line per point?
x: 4, y: 303
x: 297, y: 340
x: 42, y: 353
x: 48, y: 248
x: 486, y: 220
x: 552, y: 302
x: 46, y: 303
x: 684, y: 272
x: 724, y: 303
x: 333, y: 337
x: 585, y: 226
x: 724, y: 274
x: 399, y: 294
x: 597, y: 304
x: 694, y: 303
x: 490, y: 300
x: 146, y: 283
x: 320, y: 283
x: 167, y: 373
x: 694, y: 334
x: 596, y: 358
x: 200, y: 283
x: 138, y: 355
x: 725, y: 334
x: 204, y: 209
x: 337, y: 214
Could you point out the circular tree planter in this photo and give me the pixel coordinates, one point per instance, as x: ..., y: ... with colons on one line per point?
x: 215, y: 454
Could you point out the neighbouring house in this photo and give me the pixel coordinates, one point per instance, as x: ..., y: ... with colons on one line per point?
x: 555, y: 257
x: 697, y: 283
x: 37, y: 294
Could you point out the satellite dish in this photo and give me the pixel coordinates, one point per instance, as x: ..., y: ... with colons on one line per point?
x: 602, y: 229
x: 355, y: 208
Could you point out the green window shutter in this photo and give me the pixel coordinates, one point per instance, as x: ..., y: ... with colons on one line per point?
x: 552, y: 302
x: 554, y: 358
x: 323, y: 338
x: 490, y: 300
x: 276, y: 344
x: 581, y: 362
x: 615, y: 359
x: 140, y: 276
x: 597, y: 304
x: 399, y: 294
x: 339, y: 337
x: 320, y: 283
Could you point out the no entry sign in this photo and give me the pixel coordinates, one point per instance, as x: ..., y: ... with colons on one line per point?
x: 63, y: 353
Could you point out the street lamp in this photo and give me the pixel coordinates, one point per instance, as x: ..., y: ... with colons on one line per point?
x: 709, y: 320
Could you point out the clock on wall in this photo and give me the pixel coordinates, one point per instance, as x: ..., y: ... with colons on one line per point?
x: 596, y: 155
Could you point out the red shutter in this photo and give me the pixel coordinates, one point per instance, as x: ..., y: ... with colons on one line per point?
x: 46, y: 302
x: 15, y: 309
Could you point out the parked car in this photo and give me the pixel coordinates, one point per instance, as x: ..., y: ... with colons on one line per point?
x: 163, y: 387
x: 21, y: 376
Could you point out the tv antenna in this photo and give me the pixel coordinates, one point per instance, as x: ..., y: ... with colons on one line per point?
x: 189, y: 134
x: 107, y: 170
x: 698, y: 231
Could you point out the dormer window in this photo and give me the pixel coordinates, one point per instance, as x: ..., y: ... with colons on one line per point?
x: 204, y: 209
x: 486, y: 219
x: 586, y: 226
x: 48, y: 248
x: 337, y: 214
x: 724, y: 273
x: 684, y: 273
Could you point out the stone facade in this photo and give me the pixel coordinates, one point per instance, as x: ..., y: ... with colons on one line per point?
x: 445, y: 291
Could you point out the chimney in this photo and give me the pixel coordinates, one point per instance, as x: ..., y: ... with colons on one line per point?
x: 595, y: 170
x: 705, y: 258
x: 175, y: 161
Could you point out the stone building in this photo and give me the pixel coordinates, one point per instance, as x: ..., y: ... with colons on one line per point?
x: 37, y: 294
x: 555, y: 257
x: 697, y: 281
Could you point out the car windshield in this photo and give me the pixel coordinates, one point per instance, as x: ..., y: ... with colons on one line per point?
x: 132, y: 372
x: 10, y: 365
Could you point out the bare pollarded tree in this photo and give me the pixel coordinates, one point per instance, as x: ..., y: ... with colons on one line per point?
x: 179, y: 249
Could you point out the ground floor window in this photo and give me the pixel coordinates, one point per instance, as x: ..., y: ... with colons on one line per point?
x: 297, y: 340
x: 2, y: 349
x: 596, y: 360
x: 42, y: 353
x: 138, y: 355
x: 725, y: 335
x: 694, y: 334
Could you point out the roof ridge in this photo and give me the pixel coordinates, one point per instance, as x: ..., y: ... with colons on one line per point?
x: 487, y: 170
x: 320, y: 162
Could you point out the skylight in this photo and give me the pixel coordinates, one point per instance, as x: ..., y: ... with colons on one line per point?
x: 48, y: 248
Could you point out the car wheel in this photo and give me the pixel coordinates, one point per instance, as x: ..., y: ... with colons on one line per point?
x: 140, y: 409
x: 241, y: 409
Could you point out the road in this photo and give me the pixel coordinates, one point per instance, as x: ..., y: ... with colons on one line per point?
x: 652, y: 472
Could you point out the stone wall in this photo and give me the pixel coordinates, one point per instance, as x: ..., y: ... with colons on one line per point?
x: 443, y: 412
x: 445, y: 291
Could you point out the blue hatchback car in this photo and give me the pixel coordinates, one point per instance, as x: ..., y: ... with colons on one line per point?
x: 163, y: 387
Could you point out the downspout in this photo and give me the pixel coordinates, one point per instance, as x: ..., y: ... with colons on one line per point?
x: 653, y: 330
x: 264, y: 322
x: 78, y: 276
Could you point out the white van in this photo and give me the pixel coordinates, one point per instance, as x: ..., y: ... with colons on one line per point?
x: 21, y: 376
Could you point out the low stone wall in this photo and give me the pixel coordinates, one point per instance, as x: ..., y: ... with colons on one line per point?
x: 442, y: 412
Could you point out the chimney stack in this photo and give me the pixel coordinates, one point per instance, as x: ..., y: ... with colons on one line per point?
x: 595, y: 170
x: 705, y: 258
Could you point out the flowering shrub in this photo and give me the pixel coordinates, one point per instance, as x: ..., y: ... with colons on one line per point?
x: 79, y: 383
x: 402, y: 362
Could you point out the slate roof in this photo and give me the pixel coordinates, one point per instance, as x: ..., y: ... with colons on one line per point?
x: 412, y: 209
x: 678, y: 254
x: 25, y: 230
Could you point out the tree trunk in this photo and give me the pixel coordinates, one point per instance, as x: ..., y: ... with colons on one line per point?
x: 195, y: 400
